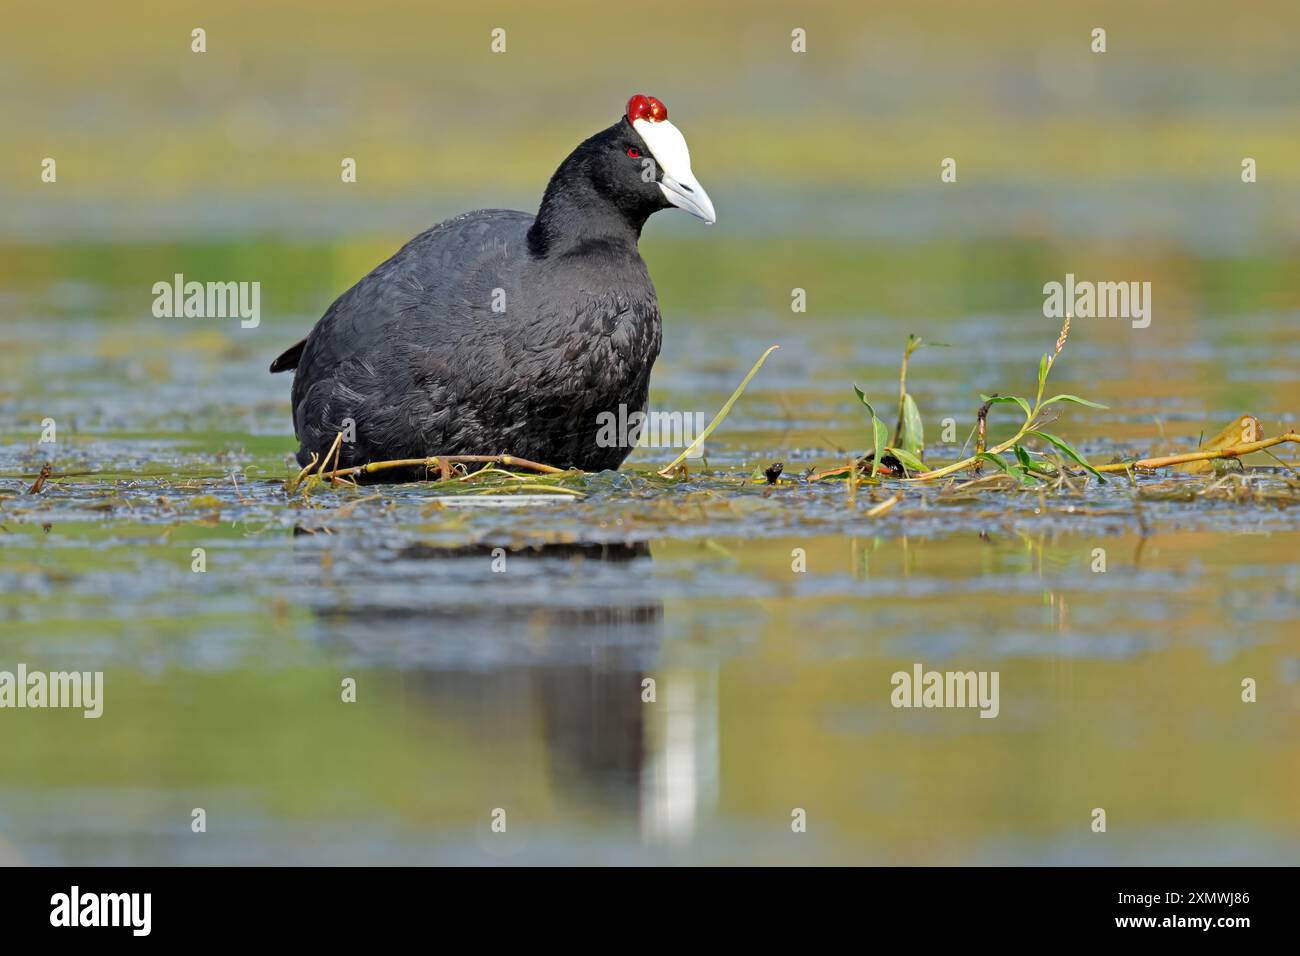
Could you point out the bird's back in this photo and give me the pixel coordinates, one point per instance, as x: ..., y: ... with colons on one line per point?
x: 432, y: 284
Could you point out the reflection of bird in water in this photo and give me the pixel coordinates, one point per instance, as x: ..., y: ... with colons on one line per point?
x: 563, y: 638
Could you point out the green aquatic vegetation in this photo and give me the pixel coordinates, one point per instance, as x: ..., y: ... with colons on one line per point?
x: 1037, y: 413
x: 902, y: 456
x: 909, y: 433
x: 908, y: 443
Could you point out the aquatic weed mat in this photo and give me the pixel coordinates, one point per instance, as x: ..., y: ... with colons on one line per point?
x: 627, y: 506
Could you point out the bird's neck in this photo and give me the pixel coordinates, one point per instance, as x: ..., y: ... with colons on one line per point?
x: 574, y: 219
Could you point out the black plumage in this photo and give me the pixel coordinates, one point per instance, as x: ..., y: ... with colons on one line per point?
x: 496, y: 332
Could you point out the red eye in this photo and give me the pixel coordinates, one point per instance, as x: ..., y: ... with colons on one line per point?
x: 633, y: 152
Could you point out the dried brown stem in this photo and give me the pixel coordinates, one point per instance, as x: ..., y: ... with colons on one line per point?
x: 335, y: 450
x: 443, y: 463
x: 1235, y: 451
x: 982, y: 419
x: 39, y: 483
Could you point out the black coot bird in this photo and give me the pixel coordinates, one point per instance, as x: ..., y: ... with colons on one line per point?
x: 498, y: 332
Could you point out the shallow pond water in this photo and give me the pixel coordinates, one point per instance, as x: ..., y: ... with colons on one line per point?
x: 500, y: 653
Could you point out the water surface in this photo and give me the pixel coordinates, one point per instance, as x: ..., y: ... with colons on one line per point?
x: 522, y: 689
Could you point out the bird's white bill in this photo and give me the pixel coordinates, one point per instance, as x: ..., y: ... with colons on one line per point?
x: 680, y: 187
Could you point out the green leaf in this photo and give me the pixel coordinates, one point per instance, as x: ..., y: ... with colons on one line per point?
x: 1022, y: 470
x: 1001, y: 399
x: 912, y: 438
x: 1043, y: 366
x: 1068, y: 450
x: 1026, y: 477
x: 882, y: 439
x: 915, y: 342
x: 717, y: 419
x: 1073, y: 398
x: 910, y: 461
x: 880, y: 434
x: 1036, y: 468
x: 995, y: 459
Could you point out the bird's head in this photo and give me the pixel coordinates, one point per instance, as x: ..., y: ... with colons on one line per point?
x: 623, y: 174
x: 660, y: 159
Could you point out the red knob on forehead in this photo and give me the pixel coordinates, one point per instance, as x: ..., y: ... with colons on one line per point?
x: 647, y: 108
